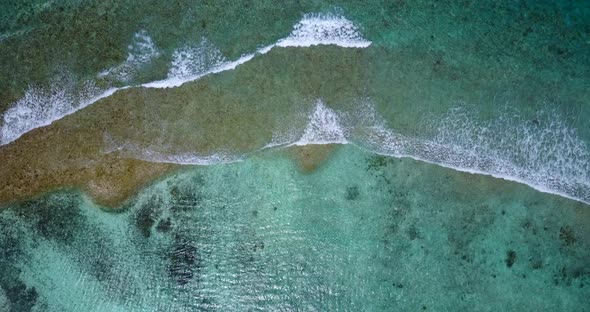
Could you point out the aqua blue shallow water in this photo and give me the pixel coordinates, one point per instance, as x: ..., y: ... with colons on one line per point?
x: 362, y: 233
x: 419, y: 93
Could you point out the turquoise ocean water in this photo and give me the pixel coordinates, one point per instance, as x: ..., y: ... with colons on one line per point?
x: 362, y: 233
x: 459, y: 180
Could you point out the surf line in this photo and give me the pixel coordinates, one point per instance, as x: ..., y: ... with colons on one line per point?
x: 312, y: 30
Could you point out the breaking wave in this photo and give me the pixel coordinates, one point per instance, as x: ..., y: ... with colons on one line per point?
x: 313, y: 29
x: 140, y: 52
x: 318, y: 29
x: 324, y: 127
x: 544, y: 153
x: 40, y: 108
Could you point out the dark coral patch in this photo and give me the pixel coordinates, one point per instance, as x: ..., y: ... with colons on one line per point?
x: 184, y: 261
x: 21, y: 297
x: 567, y: 236
x: 510, y: 258
x: 352, y: 192
x: 146, y: 215
x: 377, y: 162
x: 164, y: 226
x: 56, y: 217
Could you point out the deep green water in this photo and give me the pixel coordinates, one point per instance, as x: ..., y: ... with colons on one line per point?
x: 498, y: 88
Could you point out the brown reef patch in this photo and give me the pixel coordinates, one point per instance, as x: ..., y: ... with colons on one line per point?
x: 97, y: 148
x: 70, y: 153
x: 310, y: 157
x: 35, y: 165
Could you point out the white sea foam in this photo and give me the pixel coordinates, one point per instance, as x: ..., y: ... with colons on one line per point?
x: 140, y: 52
x: 172, y: 81
x: 184, y: 158
x: 324, y: 127
x: 548, y: 155
x: 324, y: 29
x: 157, y: 153
x: 192, y: 61
x: 544, y: 153
x: 40, y: 108
x: 313, y: 29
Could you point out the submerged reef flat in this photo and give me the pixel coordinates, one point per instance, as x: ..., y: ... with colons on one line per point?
x: 361, y: 232
x: 489, y: 88
x: 310, y: 157
x: 302, y: 96
x: 219, y: 117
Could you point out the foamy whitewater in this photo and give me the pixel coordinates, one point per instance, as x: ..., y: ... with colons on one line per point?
x: 546, y: 155
x: 313, y: 29
x: 323, y: 127
x: 195, y: 61
x: 140, y: 52
x: 39, y: 108
x: 318, y: 29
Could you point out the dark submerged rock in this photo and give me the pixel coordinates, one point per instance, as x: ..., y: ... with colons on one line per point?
x: 56, y: 217
x: 21, y: 297
x: 164, y: 226
x: 146, y: 217
x: 352, y: 192
x: 567, y: 236
x: 510, y: 258
x: 184, y: 261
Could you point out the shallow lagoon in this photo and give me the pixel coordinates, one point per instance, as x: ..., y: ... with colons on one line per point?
x: 361, y: 232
